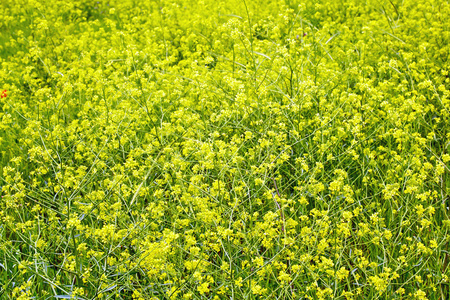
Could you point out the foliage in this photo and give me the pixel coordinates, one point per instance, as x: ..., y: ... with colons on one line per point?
x: 224, y: 149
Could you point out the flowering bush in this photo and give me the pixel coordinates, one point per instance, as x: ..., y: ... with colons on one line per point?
x: 224, y: 149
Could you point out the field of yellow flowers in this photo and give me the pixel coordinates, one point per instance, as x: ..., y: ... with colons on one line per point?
x: 226, y: 149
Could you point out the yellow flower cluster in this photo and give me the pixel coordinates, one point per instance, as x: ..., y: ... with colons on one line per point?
x: 224, y: 149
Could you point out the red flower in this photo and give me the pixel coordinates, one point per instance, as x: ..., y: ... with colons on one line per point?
x: 3, y: 94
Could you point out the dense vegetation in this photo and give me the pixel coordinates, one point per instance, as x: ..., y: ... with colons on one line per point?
x: 224, y: 149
